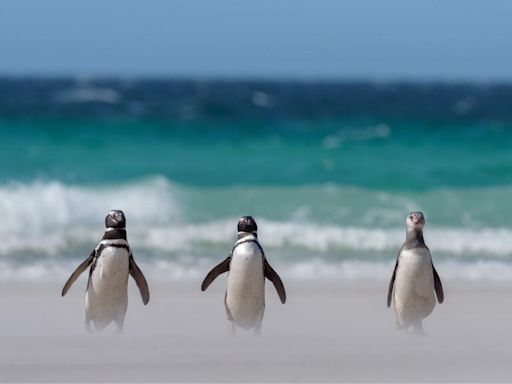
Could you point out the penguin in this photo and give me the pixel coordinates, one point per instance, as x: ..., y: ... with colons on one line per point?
x: 106, y: 297
x: 414, y: 278
x: 248, y: 267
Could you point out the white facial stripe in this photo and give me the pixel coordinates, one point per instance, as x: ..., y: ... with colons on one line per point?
x: 113, y: 229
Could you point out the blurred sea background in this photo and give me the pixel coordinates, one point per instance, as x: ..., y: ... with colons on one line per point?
x: 329, y: 169
x: 328, y: 123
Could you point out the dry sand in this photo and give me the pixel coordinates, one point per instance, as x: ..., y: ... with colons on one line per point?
x: 327, y: 331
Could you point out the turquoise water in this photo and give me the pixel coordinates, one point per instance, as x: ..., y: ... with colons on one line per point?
x: 403, y: 155
x: 328, y: 181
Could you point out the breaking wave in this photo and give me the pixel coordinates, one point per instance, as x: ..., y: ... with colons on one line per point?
x: 47, y: 227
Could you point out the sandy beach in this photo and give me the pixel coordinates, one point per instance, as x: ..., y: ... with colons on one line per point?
x: 327, y: 331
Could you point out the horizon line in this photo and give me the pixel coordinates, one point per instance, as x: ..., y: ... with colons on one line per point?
x: 256, y: 78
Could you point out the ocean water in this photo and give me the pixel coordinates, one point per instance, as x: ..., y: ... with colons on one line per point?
x: 329, y: 171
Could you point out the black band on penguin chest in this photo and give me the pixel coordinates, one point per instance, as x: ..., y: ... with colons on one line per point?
x: 103, y: 246
x: 249, y: 241
x: 114, y: 234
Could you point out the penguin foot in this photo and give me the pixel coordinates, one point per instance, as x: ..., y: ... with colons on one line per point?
x: 418, y: 329
x: 120, y: 327
x: 232, y: 330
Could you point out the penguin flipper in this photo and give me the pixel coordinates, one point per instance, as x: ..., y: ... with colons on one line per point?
x: 78, y: 271
x: 392, y: 283
x: 276, y: 280
x: 216, y: 271
x: 139, y: 278
x: 438, y: 286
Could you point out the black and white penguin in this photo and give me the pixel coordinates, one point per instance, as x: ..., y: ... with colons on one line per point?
x: 414, y: 279
x: 106, y: 298
x: 248, y: 267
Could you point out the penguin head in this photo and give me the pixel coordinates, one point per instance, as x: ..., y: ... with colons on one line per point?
x: 115, y: 219
x: 415, y: 221
x: 247, y: 224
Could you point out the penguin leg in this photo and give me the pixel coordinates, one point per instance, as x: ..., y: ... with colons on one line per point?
x: 418, y: 328
x: 228, y: 312
x: 259, y: 322
x: 401, y: 323
x: 232, y: 329
x: 120, y: 315
x: 87, y: 324
x: 257, y: 329
x: 120, y: 324
x: 97, y: 326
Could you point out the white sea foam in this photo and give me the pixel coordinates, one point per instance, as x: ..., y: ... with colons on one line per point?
x: 354, y: 270
x: 347, y: 270
x: 45, y: 217
x: 47, y: 227
x: 459, y: 242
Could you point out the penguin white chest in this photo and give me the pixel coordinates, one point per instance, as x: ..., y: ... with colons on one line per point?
x: 245, y: 297
x: 107, y: 291
x: 112, y: 266
x: 414, y: 286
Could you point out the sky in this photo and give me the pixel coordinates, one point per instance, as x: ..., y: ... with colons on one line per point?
x: 316, y: 39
